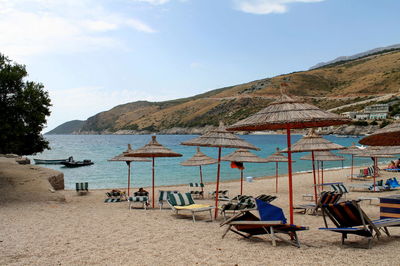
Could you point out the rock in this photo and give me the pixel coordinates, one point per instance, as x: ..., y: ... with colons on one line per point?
x: 23, y: 160
x: 57, y: 181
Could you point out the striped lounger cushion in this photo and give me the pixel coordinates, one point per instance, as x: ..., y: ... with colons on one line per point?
x: 339, y: 188
x: 138, y: 199
x: 196, y: 184
x: 179, y: 199
x: 112, y: 200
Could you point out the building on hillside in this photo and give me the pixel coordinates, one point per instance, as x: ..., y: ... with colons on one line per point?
x: 362, y: 116
x: 351, y: 115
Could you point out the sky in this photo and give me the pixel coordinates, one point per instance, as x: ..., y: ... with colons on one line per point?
x: 92, y: 55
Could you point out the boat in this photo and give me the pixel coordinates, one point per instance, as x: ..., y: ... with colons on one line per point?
x: 77, y: 163
x: 52, y: 161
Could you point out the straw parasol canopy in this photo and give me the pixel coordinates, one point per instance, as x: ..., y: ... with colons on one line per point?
x: 353, y: 150
x: 323, y: 156
x: 313, y: 142
x: 199, y: 159
x: 123, y: 158
x: 219, y: 138
x: 243, y: 156
x: 374, y: 153
x: 288, y: 113
x: 151, y: 150
x: 276, y: 158
x: 387, y: 136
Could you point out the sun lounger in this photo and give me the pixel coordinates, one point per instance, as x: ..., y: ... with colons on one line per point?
x: 184, y: 202
x: 139, y: 197
x: 115, y: 194
x: 392, y: 183
x: 222, y: 195
x: 196, y: 193
x: 272, y: 222
x: 392, y: 169
x: 82, y: 188
x: 243, y: 202
x: 349, y: 218
x: 325, y: 198
x: 163, y: 196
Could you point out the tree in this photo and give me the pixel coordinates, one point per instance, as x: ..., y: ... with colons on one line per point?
x: 24, y: 106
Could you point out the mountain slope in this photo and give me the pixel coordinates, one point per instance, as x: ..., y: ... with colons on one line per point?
x: 328, y: 87
x: 70, y: 127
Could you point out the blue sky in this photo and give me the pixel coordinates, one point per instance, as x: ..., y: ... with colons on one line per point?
x: 92, y: 55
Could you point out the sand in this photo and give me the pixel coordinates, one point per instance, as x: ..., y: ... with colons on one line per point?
x: 84, y: 230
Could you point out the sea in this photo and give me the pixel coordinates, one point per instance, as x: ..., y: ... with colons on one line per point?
x: 168, y: 171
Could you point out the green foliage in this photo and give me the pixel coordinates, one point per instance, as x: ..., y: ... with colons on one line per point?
x: 384, y: 123
x: 131, y: 127
x: 24, y: 106
x: 373, y: 123
x: 151, y: 128
x: 360, y: 123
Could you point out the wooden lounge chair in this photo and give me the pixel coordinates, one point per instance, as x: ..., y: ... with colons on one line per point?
x: 196, y: 193
x: 82, y: 188
x: 349, y: 218
x: 139, y: 197
x: 184, y: 202
x: 326, y: 197
x: 272, y: 221
x: 163, y: 196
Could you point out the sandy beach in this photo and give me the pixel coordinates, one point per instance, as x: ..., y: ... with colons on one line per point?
x: 83, y: 230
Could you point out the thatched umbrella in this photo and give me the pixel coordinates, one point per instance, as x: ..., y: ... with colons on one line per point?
x: 387, y: 136
x: 199, y: 159
x: 151, y: 150
x: 276, y: 158
x: 323, y: 156
x: 243, y: 156
x: 287, y: 113
x: 313, y: 142
x: 353, y: 150
x: 374, y: 153
x: 123, y: 158
x: 219, y: 138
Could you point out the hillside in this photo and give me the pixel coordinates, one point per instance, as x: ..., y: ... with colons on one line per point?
x: 70, y: 127
x: 330, y: 86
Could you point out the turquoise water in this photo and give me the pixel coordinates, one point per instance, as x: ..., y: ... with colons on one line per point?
x: 104, y: 174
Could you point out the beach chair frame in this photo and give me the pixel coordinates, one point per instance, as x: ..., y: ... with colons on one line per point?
x: 176, y: 209
x: 362, y: 225
x: 326, y: 197
x: 248, y: 225
x: 82, y: 188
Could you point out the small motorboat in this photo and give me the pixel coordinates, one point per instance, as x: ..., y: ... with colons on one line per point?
x: 77, y: 163
x: 53, y: 161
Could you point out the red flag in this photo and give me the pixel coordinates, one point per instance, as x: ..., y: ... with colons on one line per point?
x: 238, y: 165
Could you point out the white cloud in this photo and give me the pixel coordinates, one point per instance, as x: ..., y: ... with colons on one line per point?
x: 139, y: 25
x: 267, y: 6
x: 31, y: 27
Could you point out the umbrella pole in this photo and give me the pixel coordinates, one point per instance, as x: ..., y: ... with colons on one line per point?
x: 318, y: 177
x: 315, y: 181
x: 153, y: 182
x: 322, y: 174
x: 218, y: 174
x: 290, y: 174
x: 352, y: 163
x: 241, y: 182
x: 129, y: 177
x: 201, y: 182
x: 375, y: 169
x: 276, y: 174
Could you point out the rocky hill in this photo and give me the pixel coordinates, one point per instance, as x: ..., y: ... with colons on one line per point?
x: 328, y: 87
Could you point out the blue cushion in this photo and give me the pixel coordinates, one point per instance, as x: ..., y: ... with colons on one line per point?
x: 269, y: 212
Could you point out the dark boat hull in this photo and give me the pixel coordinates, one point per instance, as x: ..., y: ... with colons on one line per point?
x: 77, y: 164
